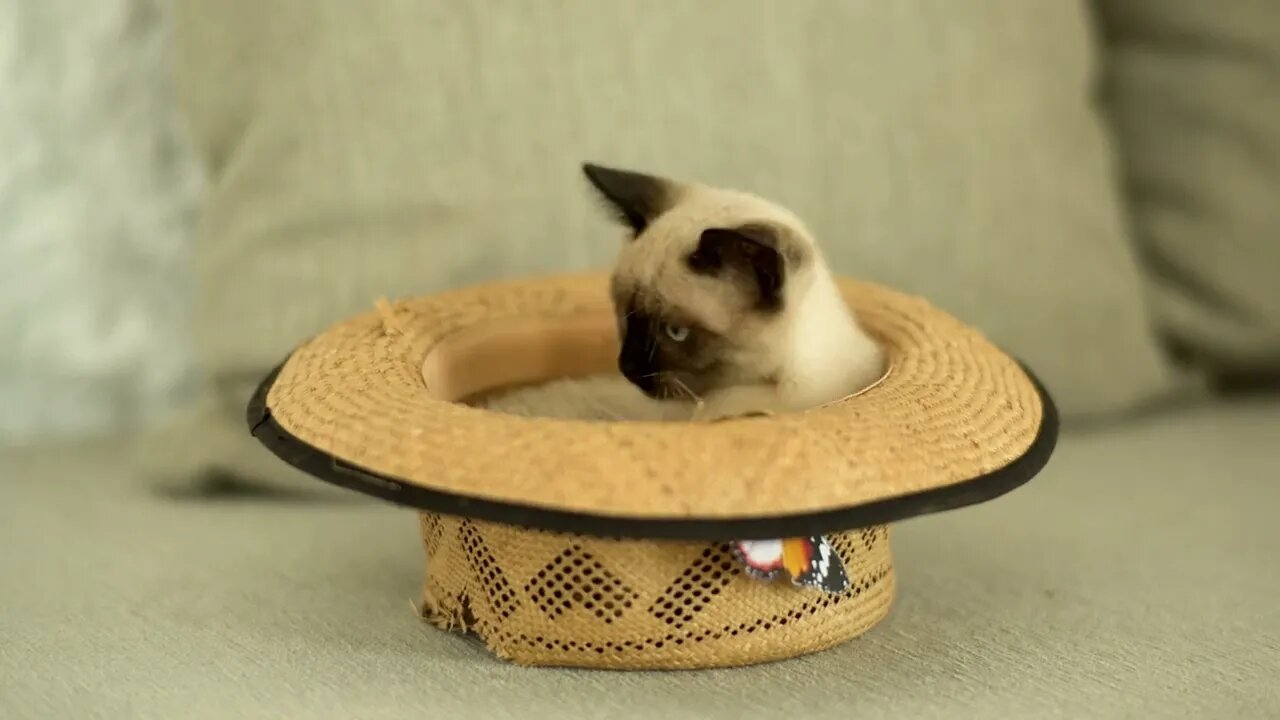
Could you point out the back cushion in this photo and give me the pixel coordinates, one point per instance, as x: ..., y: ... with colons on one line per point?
x: 402, y: 147
x: 1194, y: 91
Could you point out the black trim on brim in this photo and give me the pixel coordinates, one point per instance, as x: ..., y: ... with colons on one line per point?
x: 970, y: 492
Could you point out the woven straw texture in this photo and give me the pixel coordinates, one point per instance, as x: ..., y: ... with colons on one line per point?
x: 540, y: 598
x: 952, y: 407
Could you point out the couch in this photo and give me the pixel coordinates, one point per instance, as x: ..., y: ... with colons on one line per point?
x: 1091, y: 184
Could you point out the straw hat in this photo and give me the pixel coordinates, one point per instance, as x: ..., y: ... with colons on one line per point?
x: 371, y: 404
x: 603, y: 545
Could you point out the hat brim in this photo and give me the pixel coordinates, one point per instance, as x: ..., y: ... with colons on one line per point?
x: 954, y: 422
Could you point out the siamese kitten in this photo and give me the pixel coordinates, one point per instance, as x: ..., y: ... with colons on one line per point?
x: 725, y: 299
x: 725, y: 307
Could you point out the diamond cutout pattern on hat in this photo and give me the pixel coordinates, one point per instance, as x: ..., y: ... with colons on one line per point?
x: 696, y: 587
x: 868, y: 538
x: 575, y: 580
x: 719, y: 619
x: 499, y: 592
x: 432, y: 533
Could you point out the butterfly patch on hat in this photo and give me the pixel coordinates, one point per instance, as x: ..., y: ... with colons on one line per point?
x: 808, y: 561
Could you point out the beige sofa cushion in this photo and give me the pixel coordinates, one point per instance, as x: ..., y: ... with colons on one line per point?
x: 402, y: 147
x: 1194, y: 90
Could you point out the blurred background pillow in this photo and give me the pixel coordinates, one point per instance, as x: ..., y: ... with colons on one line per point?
x: 1194, y: 92
x: 98, y: 196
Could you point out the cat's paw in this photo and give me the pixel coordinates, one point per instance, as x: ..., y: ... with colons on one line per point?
x: 708, y: 413
x: 702, y: 413
x: 741, y: 402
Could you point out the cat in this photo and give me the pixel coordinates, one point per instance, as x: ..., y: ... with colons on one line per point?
x: 726, y: 299
x: 725, y: 307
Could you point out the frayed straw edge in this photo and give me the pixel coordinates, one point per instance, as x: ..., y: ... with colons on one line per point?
x: 433, y: 612
x: 391, y: 325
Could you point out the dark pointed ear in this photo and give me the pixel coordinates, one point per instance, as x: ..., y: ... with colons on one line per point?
x: 757, y: 256
x: 635, y: 198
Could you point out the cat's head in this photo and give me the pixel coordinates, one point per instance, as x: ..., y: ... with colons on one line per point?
x: 705, y: 284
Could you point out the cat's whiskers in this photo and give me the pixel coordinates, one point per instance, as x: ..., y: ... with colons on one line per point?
x: 685, y: 389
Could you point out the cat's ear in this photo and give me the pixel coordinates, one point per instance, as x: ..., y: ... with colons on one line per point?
x: 635, y: 198
x: 758, y: 256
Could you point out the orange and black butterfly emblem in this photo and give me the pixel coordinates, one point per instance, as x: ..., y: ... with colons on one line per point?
x: 809, y: 561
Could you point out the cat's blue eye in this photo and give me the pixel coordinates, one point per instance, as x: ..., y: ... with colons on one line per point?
x: 676, y: 333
